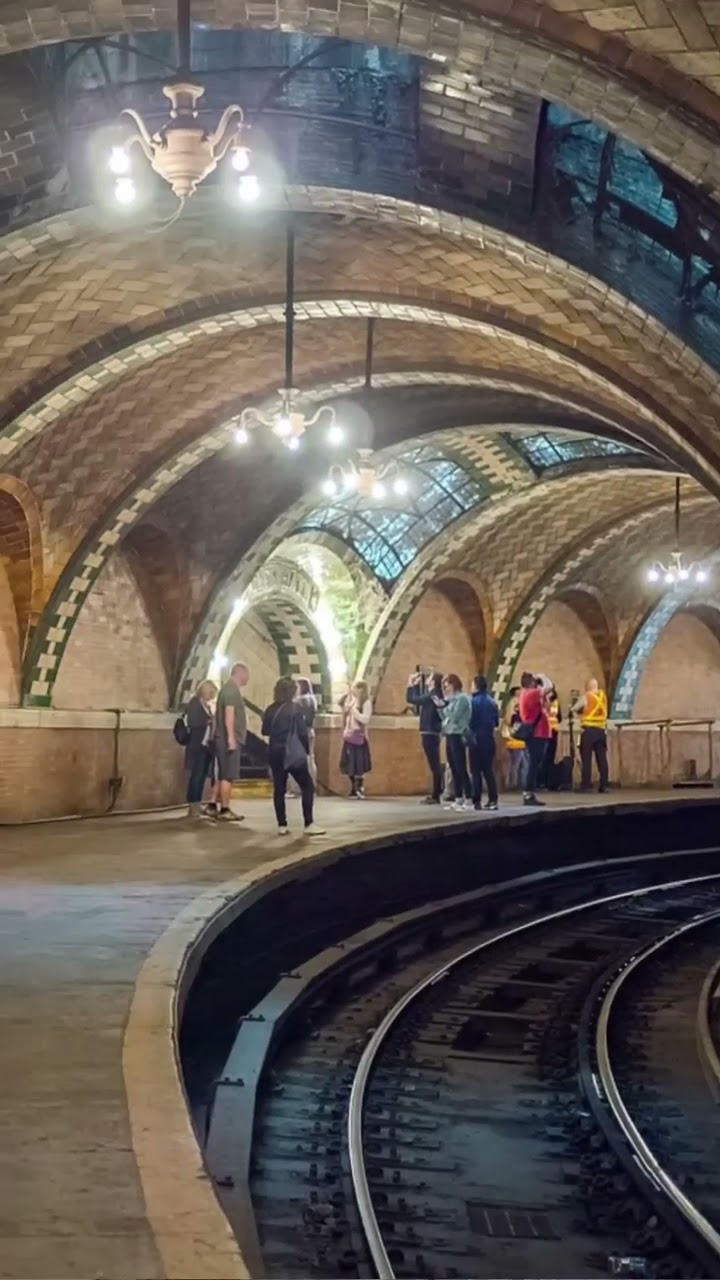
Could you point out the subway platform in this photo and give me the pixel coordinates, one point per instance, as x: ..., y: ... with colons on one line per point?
x: 101, y: 1177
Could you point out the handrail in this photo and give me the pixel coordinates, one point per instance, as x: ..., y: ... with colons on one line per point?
x: 644, y: 1157
x: 358, y: 1172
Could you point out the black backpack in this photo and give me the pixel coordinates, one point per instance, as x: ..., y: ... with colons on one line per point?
x: 181, y: 733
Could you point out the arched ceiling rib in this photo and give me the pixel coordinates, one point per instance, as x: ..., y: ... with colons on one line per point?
x: 61, y: 313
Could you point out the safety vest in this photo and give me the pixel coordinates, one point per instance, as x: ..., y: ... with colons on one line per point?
x: 553, y: 716
x: 596, y: 710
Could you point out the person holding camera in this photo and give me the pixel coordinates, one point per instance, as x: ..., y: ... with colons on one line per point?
x: 425, y: 696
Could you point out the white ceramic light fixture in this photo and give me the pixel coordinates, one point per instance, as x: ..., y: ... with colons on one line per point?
x: 676, y: 572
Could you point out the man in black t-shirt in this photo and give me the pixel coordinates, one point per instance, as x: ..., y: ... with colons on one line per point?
x: 230, y: 735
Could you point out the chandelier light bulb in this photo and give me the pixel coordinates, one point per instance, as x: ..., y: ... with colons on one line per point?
x: 125, y: 191
x: 335, y: 435
x: 119, y: 161
x: 293, y: 443
x: 242, y: 436
x: 240, y: 159
x: 283, y: 426
x: 669, y: 578
x: 249, y: 188
x: 701, y: 575
x: 378, y: 490
x: 329, y: 488
x: 400, y: 487
x: 683, y: 574
x: 653, y: 575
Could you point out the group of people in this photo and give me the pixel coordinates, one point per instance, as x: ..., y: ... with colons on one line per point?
x: 214, y: 731
x: 529, y: 729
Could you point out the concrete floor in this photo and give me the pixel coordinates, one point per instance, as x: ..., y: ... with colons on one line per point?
x: 83, y: 1172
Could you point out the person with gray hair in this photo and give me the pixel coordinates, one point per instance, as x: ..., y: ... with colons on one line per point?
x: 230, y: 736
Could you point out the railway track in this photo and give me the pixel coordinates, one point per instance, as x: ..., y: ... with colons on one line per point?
x: 447, y: 1098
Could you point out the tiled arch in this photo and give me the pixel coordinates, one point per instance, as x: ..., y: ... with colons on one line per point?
x: 549, y: 587
x: 298, y: 642
x: 77, y: 579
x: 645, y: 640
x: 577, y: 307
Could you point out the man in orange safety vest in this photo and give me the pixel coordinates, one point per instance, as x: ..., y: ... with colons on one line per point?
x: 593, y: 710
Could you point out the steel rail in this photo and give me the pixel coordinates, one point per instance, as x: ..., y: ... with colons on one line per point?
x: 705, y: 1039
x: 643, y: 1154
x: 358, y: 1172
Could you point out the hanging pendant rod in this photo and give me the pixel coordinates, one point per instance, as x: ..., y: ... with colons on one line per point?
x: 289, y: 303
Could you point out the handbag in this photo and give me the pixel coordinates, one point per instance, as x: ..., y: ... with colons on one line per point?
x: 295, y: 757
x: 181, y: 732
x: 525, y: 731
x: 354, y: 737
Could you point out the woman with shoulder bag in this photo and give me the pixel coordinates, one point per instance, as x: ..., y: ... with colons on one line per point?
x: 289, y: 748
x: 355, y: 760
x: 198, y: 749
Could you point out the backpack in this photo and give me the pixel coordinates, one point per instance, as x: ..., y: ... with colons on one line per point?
x: 181, y: 733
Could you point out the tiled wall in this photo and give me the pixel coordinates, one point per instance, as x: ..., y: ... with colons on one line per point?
x: 113, y: 658
x: 682, y: 675
x: 434, y: 635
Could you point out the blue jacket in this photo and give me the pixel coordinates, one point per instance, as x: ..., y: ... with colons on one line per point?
x: 484, y: 718
x: 429, y: 707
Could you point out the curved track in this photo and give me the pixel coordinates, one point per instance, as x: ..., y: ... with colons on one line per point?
x: 463, y: 1034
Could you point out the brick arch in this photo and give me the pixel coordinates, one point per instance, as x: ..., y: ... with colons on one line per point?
x: 572, y: 563
x: 592, y: 610
x: 75, y: 582
x: 21, y: 551
x: 646, y: 637
x: 300, y: 648
x: 464, y: 595
x: 161, y: 573
x: 283, y: 596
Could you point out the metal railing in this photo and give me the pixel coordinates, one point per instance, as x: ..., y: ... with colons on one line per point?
x: 665, y: 727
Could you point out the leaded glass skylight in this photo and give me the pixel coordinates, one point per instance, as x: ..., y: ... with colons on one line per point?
x: 389, y: 537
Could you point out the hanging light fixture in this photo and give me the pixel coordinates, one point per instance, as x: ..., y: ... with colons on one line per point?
x: 677, y: 572
x: 289, y: 422
x: 366, y: 478
x: 182, y: 151
x: 363, y: 476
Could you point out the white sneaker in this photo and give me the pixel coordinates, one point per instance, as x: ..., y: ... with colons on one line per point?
x: 469, y: 805
x: 283, y: 831
x: 315, y: 830
x: 458, y: 806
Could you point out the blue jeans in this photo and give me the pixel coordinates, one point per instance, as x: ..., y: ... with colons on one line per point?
x: 536, y: 749
x: 199, y: 770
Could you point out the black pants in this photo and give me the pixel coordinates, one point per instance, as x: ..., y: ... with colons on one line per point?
x: 457, y: 759
x: 536, y: 749
x: 431, y: 747
x: 593, y: 742
x: 201, y: 762
x: 280, y: 777
x: 546, y: 773
x: 482, y: 766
